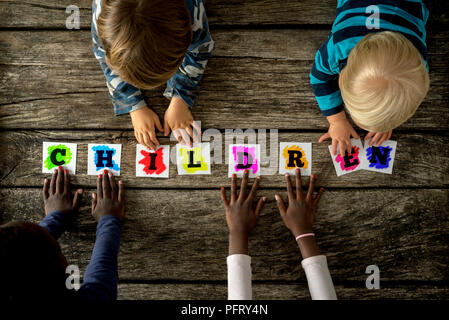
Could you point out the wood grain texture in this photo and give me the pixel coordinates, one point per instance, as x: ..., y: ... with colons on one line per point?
x: 51, y: 13
x: 166, y: 235
x: 257, y: 79
x: 270, y: 291
x: 421, y: 161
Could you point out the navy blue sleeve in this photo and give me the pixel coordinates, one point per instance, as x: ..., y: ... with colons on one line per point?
x: 55, y: 223
x: 101, y: 277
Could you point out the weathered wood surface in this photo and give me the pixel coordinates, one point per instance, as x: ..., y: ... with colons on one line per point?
x: 51, y: 13
x: 421, y: 161
x: 257, y: 79
x: 270, y: 291
x: 166, y: 235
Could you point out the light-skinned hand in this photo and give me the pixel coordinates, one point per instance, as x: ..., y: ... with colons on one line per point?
x: 179, y: 120
x: 145, y: 121
x: 340, y: 131
x: 378, y: 137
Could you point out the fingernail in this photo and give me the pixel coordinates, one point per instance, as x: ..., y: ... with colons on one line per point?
x: 55, y: 171
x: 60, y: 168
x: 276, y: 197
x: 100, y: 176
x: 287, y: 174
x: 66, y: 171
x: 110, y: 174
x: 80, y: 191
x: 221, y: 188
x: 120, y: 182
x: 246, y: 171
x: 313, y: 176
x: 234, y: 175
x: 264, y: 199
x: 258, y: 177
x: 93, y: 195
x: 105, y: 171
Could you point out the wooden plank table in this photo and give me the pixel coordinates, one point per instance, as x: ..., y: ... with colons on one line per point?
x: 173, y: 247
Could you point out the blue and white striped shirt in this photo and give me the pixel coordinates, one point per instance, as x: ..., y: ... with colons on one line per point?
x: 407, y: 17
x: 184, y: 84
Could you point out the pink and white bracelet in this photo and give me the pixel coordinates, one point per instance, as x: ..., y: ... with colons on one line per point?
x: 305, y: 235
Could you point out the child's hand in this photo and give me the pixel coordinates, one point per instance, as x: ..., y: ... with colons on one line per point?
x: 379, y: 137
x: 241, y: 216
x: 57, y: 194
x: 178, y: 119
x: 340, y: 130
x: 109, y: 199
x: 144, y: 122
x: 298, y: 218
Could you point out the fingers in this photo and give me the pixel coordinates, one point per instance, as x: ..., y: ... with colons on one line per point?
x: 233, y: 187
x: 99, y: 186
x: 157, y: 123
x: 243, y: 186
x: 114, y: 189
x: 311, y: 188
x: 147, y: 141
x: 288, y: 182
x: 253, y: 191
x: 369, y: 135
x: 121, y: 192
x: 389, y: 134
x: 177, y: 135
x: 345, y: 145
x: 45, y: 189
x: 106, y: 185
x: 299, y: 194
x: 76, y: 199
x: 280, y: 204
x: 197, y: 133
x: 259, y: 207
x: 153, y: 139
x: 375, y: 138
x: 60, y: 181
x: 223, y: 197
x: 324, y: 137
x: 382, y: 139
x: 318, y: 197
x: 66, y: 182
x: 185, y: 137
x: 166, y: 128
x: 334, y: 146
x: 94, y: 202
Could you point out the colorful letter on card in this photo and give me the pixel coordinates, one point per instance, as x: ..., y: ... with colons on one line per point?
x: 380, y: 158
x: 295, y: 155
x: 244, y: 157
x: 155, y: 164
x: 57, y: 154
x: 195, y: 160
x: 351, y: 161
x: 103, y: 156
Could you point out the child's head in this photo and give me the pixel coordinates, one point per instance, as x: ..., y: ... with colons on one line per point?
x: 32, y: 266
x: 145, y: 41
x: 384, y: 81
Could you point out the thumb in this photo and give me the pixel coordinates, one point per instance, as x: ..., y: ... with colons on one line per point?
x: 259, y: 206
x: 324, y: 137
x: 354, y: 133
x: 94, y: 202
x: 280, y: 204
x: 76, y: 199
x: 158, y: 125
x: 166, y: 128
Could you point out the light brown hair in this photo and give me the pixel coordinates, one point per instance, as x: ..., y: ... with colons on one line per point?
x: 145, y: 40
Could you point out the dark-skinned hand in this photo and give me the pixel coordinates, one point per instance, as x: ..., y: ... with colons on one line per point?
x: 109, y: 199
x: 57, y: 193
x: 299, y: 215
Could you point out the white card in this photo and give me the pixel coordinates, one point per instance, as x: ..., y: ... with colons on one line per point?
x: 103, y: 156
x: 154, y: 164
x: 294, y: 155
x: 351, y: 162
x: 380, y: 158
x: 195, y: 160
x: 55, y: 154
x: 244, y: 157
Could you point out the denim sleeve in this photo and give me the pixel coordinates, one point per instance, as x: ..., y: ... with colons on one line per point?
x: 101, y: 276
x: 55, y: 223
x: 185, y: 83
x: 125, y: 97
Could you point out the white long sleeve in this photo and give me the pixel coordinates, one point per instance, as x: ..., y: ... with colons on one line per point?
x: 319, y: 278
x: 239, y: 277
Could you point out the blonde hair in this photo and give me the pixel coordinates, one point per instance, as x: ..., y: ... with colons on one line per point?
x: 145, y: 41
x: 384, y: 81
